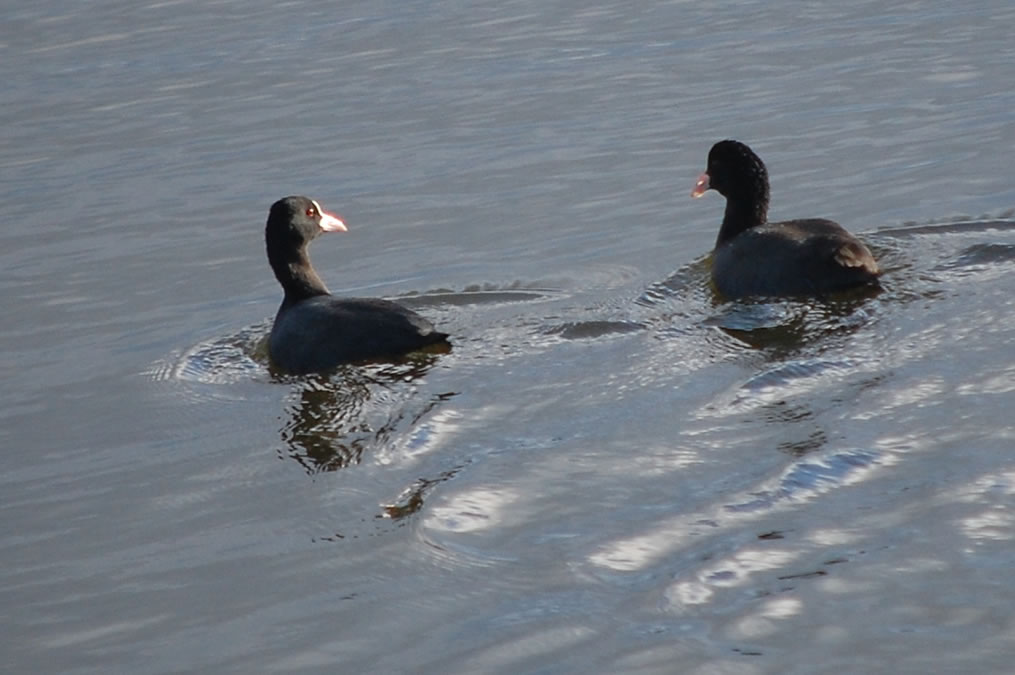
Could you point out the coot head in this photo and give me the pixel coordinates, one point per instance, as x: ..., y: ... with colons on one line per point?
x: 739, y: 175
x: 293, y: 222
x: 735, y: 172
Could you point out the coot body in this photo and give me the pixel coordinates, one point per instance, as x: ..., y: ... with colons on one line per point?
x: 753, y: 257
x: 315, y: 331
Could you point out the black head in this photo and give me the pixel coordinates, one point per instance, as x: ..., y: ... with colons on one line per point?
x: 293, y: 222
x: 735, y: 172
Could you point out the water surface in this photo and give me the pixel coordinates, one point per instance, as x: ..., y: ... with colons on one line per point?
x: 612, y: 471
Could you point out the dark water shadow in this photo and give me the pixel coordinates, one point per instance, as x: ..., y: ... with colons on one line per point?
x: 594, y: 329
x: 784, y: 327
x: 333, y: 420
x: 961, y: 225
x: 487, y: 294
x: 979, y: 258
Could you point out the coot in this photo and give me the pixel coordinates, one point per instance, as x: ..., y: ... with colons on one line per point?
x: 794, y: 257
x: 314, y: 331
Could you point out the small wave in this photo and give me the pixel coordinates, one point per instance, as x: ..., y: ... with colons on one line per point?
x: 804, y: 479
x: 690, y: 282
x: 479, y: 294
x: 957, y: 225
x: 981, y: 256
x: 590, y: 330
x: 240, y: 356
x: 793, y: 372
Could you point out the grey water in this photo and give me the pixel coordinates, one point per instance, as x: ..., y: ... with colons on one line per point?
x: 613, y: 471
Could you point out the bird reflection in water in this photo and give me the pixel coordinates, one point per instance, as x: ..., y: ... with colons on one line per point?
x: 786, y: 328
x: 334, y: 419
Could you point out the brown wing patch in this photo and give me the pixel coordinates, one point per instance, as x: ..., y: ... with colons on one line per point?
x: 853, y: 254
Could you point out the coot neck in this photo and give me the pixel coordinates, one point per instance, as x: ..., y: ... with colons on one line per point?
x: 298, y: 278
x: 743, y: 212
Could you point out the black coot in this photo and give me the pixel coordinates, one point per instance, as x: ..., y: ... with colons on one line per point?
x: 794, y: 257
x: 314, y: 331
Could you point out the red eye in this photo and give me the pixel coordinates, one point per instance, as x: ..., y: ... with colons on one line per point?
x: 311, y: 212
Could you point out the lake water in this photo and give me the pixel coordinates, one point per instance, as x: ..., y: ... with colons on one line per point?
x: 612, y: 471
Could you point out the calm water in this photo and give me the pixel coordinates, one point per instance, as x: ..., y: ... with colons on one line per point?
x: 612, y: 472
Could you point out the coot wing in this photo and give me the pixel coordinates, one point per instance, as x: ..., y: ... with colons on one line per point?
x: 800, y: 257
